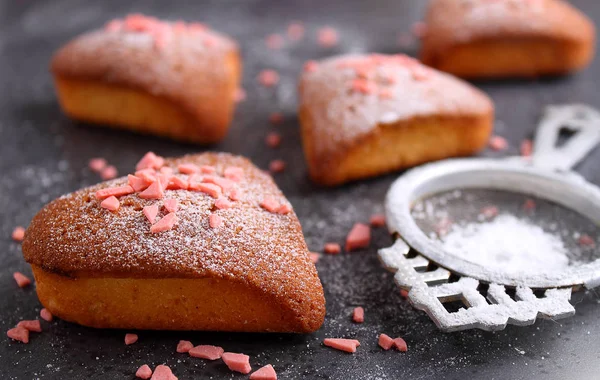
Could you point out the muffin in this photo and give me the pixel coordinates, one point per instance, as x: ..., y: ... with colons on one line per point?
x: 169, y: 79
x: 366, y: 115
x: 201, y: 242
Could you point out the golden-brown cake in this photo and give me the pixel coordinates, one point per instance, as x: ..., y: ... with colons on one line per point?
x: 363, y: 116
x: 507, y: 38
x: 216, y: 248
x: 175, y: 80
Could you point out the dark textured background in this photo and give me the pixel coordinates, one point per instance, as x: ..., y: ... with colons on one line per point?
x: 43, y: 155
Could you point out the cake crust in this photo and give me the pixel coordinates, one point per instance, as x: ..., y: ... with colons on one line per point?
x: 508, y: 38
x: 363, y: 116
x: 73, y: 240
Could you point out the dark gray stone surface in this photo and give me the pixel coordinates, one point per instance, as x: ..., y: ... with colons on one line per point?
x: 43, y: 155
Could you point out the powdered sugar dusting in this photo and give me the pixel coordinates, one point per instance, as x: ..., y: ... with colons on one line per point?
x: 508, y: 242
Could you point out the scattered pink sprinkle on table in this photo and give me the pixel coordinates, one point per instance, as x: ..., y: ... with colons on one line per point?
x: 18, y: 234
x: 327, y: 37
x: 144, y: 372
x: 276, y: 118
x: 277, y: 166
x: 130, y: 339
x: 21, y: 279
x: 46, y: 315
x: 206, y: 352
x: 332, y: 248
x: 20, y: 334
x: 97, y: 164
x: 184, y: 346
x: 498, y: 143
x: 359, y: 237
x: 264, y: 373
x: 237, y: 362
x: 274, y: 41
x: 268, y: 78
x: 32, y: 325
x: 273, y: 140
x: 162, y: 372
x: 295, y: 31
x: 385, y: 341
x: 358, y: 315
x: 400, y: 344
x: 526, y: 148
x: 346, y: 345
x: 377, y: 220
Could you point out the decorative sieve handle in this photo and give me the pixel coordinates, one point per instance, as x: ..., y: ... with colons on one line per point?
x: 583, y: 120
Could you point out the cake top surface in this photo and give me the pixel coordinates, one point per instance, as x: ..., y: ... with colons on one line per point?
x: 349, y: 96
x: 452, y: 21
x: 257, y: 241
x: 172, y: 59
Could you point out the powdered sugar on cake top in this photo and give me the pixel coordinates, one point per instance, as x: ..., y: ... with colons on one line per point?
x: 452, y: 21
x: 348, y: 97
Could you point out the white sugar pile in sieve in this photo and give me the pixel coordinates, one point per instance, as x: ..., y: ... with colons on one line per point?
x: 508, y: 243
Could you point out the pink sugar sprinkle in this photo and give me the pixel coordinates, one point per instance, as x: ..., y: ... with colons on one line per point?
x: 150, y: 161
x: 526, y: 148
x: 358, y: 315
x: 148, y: 175
x: 154, y: 191
x: 400, y: 344
x: 363, y: 86
x: 237, y: 362
x: 273, y: 140
x: 46, y: 315
x: 223, y: 204
x: 498, y: 143
x: 420, y: 73
x: 419, y: 29
x: 144, y: 372
x: 347, y: 345
x: 386, y: 93
x: 188, y: 168
x: 327, y: 37
x: 137, y: 23
x: 274, y: 41
x: 197, y: 27
x: 162, y: 372
x: 276, y: 118
x: 269, y: 204
x: 268, y: 78
x: 33, y: 325
x: 109, y: 172
x: 150, y: 212
x: 277, y: 166
x: 19, y: 333
x: 234, y: 173
x: 21, y: 279
x: 385, y: 342
x: 18, y: 233
x: 171, y: 204
x: 111, y: 203
x: 114, y: 191
x: 265, y: 373
x: 207, y: 169
x: 165, y: 224
x: 239, y: 95
x: 529, y: 205
x: 130, y: 339
x: 377, y: 220
x: 184, y: 346
x: 314, y: 257
x: 137, y: 183
x: 295, y: 31
x: 359, y: 237
x: 586, y: 241
x: 215, y: 221
x: 97, y: 164
x: 207, y: 352
x: 284, y: 209
x: 224, y: 183
x: 235, y: 195
x: 113, y: 26
x: 176, y: 183
x: 489, y: 212
x: 311, y: 66
x: 332, y: 248
x: 404, y: 293
x: 210, y: 189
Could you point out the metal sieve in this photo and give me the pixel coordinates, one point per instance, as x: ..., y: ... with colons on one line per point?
x: 493, y: 297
